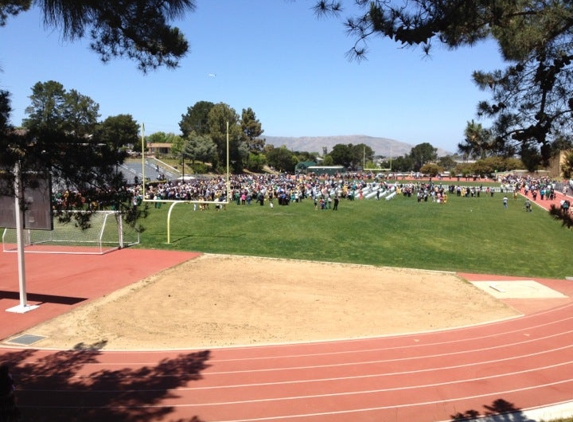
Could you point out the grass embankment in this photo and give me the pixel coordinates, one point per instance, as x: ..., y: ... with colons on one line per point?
x: 466, y: 234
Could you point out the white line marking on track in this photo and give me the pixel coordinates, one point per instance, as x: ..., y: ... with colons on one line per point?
x: 339, y: 412
x: 371, y: 362
x: 381, y: 390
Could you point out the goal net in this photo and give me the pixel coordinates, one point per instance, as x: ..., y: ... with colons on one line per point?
x: 106, y: 232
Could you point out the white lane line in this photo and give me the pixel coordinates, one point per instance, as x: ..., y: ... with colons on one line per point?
x: 351, y: 352
x: 415, y: 344
x: 339, y: 412
x: 406, y: 346
x: 409, y: 387
x: 372, y: 362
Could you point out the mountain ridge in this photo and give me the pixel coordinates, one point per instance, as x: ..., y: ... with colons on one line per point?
x: 385, y: 147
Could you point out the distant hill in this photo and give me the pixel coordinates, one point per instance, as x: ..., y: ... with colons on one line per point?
x: 381, y: 146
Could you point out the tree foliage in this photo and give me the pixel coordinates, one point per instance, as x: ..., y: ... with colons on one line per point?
x: 256, y: 162
x: 361, y: 154
x: 447, y: 162
x: 252, y: 129
x: 163, y: 138
x: 531, y: 99
x: 431, y: 169
x: 221, y: 117
x: 477, y: 141
x: 5, y: 110
x: 199, y: 147
x: 341, y: 155
x: 422, y: 154
x: 196, y: 119
x: 328, y: 161
x: 351, y: 156
x: 61, y: 137
x: 138, y: 30
x: 12, y: 8
x: 206, y: 118
x: 403, y: 163
x: 281, y: 159
x: 56, y: 109
x: 120, y: 131
x: 62, y: 141
x: 489, y: 166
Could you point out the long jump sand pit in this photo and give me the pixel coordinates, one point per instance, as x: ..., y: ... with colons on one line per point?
x: 217, y: 300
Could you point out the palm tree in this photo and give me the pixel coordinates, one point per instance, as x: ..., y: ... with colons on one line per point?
x: 477, y: 142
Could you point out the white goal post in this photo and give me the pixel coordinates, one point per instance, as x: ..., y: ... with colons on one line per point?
x: 106, y: 233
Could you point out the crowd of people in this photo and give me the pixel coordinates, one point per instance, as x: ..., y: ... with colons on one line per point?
x: 325, y: 190
x: 282, y: 189
x: 543, y: 188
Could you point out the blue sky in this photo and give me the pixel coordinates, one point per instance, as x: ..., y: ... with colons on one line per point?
x: 274, y: 56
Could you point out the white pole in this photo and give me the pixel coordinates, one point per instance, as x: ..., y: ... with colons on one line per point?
x: 143, y: 158
x: 20, y: 235
x: 228, y: 182
x: 18, y: 193
x: 120, y: 229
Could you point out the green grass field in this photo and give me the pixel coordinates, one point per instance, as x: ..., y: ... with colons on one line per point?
x: 466, y: 234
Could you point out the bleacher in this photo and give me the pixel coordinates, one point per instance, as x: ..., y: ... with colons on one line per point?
x: 154, y: 170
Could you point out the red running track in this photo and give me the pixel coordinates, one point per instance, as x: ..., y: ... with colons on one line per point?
x: 512, y: 365
x: 507, y: 366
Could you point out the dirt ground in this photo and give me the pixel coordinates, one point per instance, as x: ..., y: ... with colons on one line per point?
x: 217, y: 300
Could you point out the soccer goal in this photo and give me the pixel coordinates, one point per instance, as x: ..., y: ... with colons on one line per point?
x: 106, y: 233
